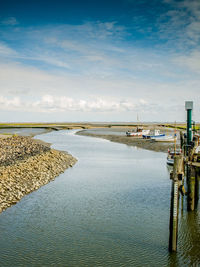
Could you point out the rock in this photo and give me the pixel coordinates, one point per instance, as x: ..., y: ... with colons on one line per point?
x: 26, y: 165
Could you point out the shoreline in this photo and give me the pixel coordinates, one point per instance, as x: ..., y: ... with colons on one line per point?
x: 26, y: 164
x: 132, y: 141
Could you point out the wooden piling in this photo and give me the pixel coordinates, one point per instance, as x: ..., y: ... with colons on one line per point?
x: 173, y: 225
x: 181, y: 140
x: 174, y: 207
x: 197, y: 177
x: 191, y: 164
x: 191, y: 189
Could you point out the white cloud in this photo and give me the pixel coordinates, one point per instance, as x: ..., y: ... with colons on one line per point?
x: 51, y: 60
x: 181, y: 23
x: 6, y: 51
x: 10, y: 104
x: 190, y: 62
x: 74, y: 47
x: 70, y: 68
x: 49, y: 103
x: 10, y: 21
x: 117, y: 109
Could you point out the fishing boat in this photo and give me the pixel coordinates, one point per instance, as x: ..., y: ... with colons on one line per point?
x: 156, y: 134
x: 175, y: 151
x: 166, y: 138
x: 139, y: 132
x: 170, y: 156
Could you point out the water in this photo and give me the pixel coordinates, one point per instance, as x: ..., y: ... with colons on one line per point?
x: 108, y: 131
x: 23, y: 131
x: 110, y: 209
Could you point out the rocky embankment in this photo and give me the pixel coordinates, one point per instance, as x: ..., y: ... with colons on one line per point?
x: 25, y: 165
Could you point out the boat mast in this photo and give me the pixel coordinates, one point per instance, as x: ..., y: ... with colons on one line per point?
x: 175, y: 139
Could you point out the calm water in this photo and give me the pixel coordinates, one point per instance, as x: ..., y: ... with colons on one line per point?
x: 23, y: 131
x: 109, y: 131
x: 110, y: 209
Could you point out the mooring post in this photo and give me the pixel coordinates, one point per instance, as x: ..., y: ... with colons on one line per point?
x: 174, y: 207
x: 173, y: 225
x: 191, y: 189
x: 197, y: 176
x: 181, y: 140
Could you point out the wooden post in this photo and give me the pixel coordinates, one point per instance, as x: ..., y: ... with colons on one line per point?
x: 191, y: 189
x: 197, y: 176
x: 174, y: 207
x: 173, y: 225
x: 181, y: 140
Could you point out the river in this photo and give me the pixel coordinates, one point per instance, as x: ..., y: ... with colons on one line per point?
x: 110, y: 209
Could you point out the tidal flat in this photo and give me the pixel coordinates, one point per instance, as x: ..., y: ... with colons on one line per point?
x: 118, y: 135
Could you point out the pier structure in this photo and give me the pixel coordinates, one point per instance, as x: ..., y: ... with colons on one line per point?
x: 186, y: 167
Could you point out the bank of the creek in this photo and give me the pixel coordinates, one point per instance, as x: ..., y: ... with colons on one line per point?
x: 130, y: 141
x: 25, y: 165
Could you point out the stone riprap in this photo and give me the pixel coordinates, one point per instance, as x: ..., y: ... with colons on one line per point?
x: 26, y: 165
x: 18, y: 148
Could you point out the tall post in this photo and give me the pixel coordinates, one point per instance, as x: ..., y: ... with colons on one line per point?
x: 190, y: 171
x: 189, y: 126
x: 189, y: 107
x: 197, y: 187
x: 174, y: 208
x: 191, y: 189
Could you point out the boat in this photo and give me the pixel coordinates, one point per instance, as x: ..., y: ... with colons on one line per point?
x: 156, y: 133
x: 138, y: 133
x: 170, y: 156
x: 166, y: 138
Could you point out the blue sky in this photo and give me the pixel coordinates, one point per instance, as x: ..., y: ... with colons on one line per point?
x: 99, y: 60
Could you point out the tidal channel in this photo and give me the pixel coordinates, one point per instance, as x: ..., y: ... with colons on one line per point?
x: 110, y: 209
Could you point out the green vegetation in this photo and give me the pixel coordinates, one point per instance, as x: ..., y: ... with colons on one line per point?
x: 69, y: 126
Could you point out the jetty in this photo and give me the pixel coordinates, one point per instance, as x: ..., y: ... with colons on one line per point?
x: 185, y: 176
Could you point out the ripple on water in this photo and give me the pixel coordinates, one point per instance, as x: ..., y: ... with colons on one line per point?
x: 110, y: 209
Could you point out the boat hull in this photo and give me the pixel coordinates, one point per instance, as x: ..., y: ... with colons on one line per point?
x: 170, y: 162
x: 152, y: 136
x: 134, y: 134
x: 170, y: 156
x: 165, y: 139
x: 137, y: 134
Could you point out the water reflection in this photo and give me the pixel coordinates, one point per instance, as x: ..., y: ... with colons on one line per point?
x: 23, y: 131
x: 190, y: 237
x: 110, y: 209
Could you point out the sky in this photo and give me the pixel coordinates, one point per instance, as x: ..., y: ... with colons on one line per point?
x: 99, y: 60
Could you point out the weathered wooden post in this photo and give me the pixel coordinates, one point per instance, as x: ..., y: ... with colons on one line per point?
x: 181, y: 140
x: 174, y: 207
x: 173, y: 227
x: 197, y: 176
x: 191, y: 189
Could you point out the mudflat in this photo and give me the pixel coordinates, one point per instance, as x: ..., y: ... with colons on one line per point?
x: 119, y: 136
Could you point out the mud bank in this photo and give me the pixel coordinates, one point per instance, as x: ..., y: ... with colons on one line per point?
x: 132, y: 141
x: 26, y: 165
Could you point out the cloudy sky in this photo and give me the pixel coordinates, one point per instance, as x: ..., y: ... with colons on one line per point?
x: 99, y: 60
